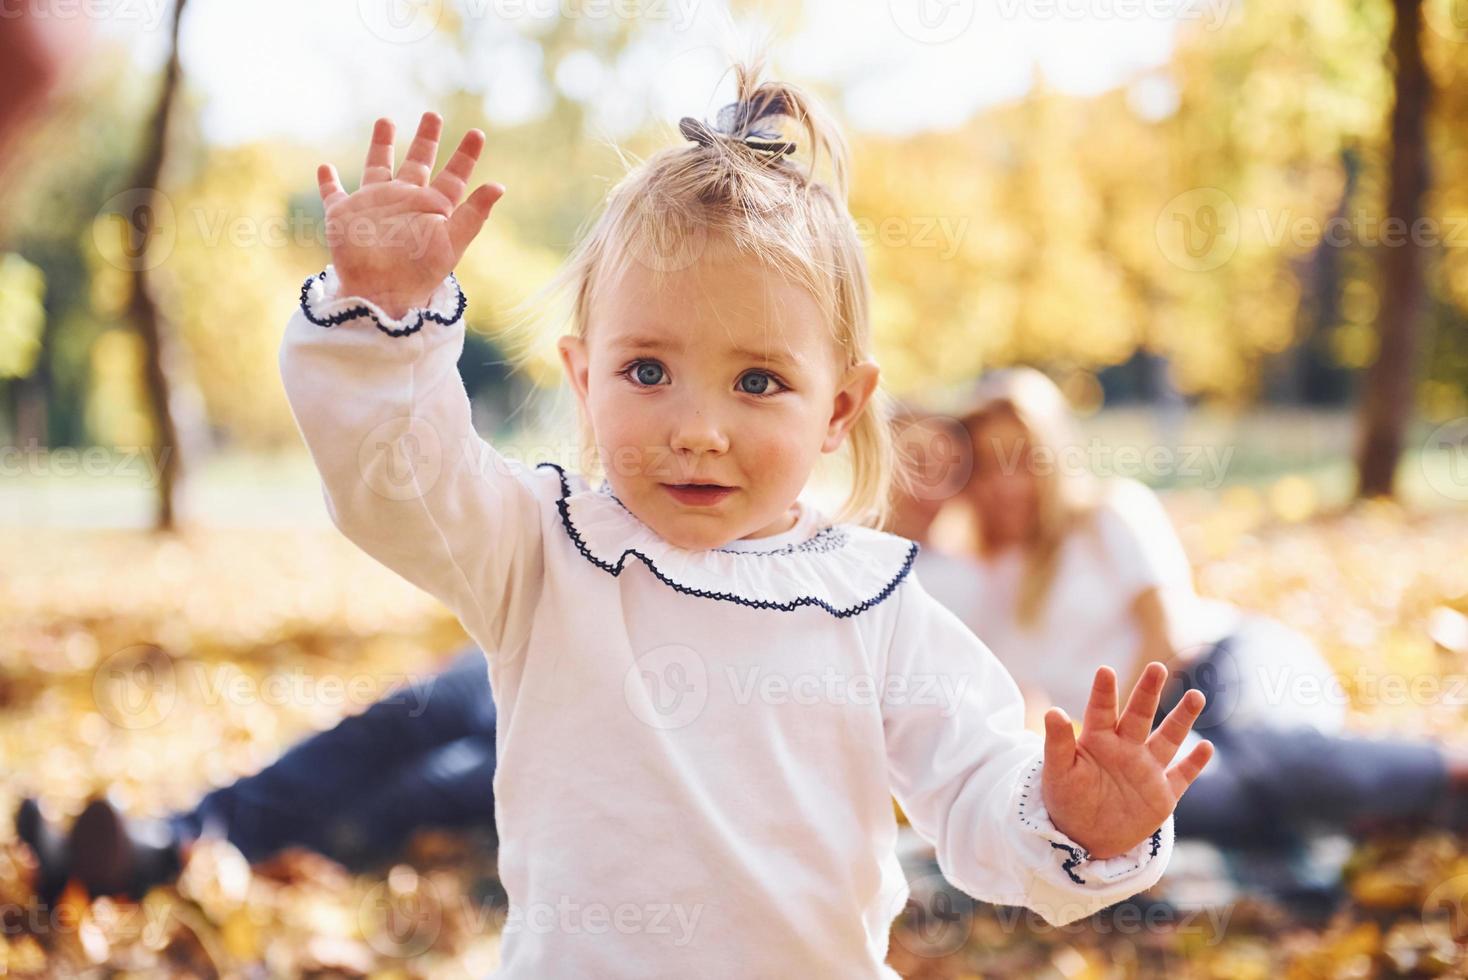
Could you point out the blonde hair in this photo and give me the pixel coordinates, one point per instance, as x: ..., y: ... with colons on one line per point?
x: 667, y: 210
x: 1066, y: 500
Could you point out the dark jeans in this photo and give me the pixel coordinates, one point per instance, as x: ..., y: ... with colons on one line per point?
x: 423, y: 756
x: 1264, y: 786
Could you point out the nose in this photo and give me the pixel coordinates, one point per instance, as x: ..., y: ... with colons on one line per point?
x: 696, y: 429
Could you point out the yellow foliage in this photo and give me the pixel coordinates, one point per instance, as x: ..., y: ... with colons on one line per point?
x: 22, y: 315
x: 116, y: 404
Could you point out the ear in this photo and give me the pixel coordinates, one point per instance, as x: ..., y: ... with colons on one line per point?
x: 852, y: 396
x: 577, y: 364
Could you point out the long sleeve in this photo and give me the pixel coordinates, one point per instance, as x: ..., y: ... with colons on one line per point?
x: 387, y: 422
x: 967, y: 774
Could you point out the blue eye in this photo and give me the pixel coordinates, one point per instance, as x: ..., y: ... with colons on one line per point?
x: 763, y: 389
x: 651, y: 374
x: 640, y: 368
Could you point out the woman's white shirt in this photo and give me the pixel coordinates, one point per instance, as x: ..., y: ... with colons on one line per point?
x: 1087, y: 618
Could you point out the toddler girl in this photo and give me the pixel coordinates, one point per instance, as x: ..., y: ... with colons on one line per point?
x: 708, y: 692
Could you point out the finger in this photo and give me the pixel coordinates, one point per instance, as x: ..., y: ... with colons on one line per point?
x: 1169, y: 736
x: 379, y: 154
x: 1181, y: 776
x: 1060, y: 741
x: 1141, y: 706
x: 469, y: 217
x: 456, y: 173
x: 418, y: 165
x: 329, y: 184
x: 1101, y: 707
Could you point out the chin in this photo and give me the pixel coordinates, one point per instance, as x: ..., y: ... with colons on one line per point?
x: 698, y: 539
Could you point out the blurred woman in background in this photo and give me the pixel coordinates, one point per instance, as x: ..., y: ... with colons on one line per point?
x: 1066, y: 572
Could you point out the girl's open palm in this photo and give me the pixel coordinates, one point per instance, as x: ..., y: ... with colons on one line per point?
x: 395, y: 238
x: 1111, y: 788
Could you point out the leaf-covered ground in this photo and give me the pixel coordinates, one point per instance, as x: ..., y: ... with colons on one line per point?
x: 155, y: 668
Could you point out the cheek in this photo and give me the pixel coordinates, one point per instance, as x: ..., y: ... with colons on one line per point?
x: 780, y: 450
x: 624, y: 433
x: 774, y: 449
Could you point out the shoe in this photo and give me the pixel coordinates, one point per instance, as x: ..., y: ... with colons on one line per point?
x: 112, y: 855
x: 46, y: 843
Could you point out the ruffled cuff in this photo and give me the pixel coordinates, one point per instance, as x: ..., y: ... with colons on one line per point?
x: 323, y: 304
x: 1073, y: 859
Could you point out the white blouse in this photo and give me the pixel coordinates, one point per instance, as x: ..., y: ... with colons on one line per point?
x: 698, y: 749
x: 1086, y: 619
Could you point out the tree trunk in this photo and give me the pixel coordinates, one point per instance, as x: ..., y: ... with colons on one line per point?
x: 173, y: 400
x: 1386, y: 406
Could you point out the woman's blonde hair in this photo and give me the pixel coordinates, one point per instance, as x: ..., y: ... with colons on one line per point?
x: 1066, y: 497
x: 718, y: 190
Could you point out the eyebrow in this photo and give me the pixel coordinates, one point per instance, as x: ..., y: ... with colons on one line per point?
x: 655, y: 344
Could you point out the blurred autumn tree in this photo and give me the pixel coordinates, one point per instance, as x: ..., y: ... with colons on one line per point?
x: 1086, y: 219
x: 1179, y: 217
x: 172, y: 403
x: 1234, y: 213
x: 1386, y: 405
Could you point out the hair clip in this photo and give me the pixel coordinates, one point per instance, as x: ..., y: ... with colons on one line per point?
x: 733, y: 122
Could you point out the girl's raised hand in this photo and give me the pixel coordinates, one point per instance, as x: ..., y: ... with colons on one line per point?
x: 1111, y: 788
x: 395, y: 238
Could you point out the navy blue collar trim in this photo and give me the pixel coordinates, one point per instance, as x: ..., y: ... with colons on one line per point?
x: 360, y: 310
x: 832, y: 537
x: 791, y: 606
